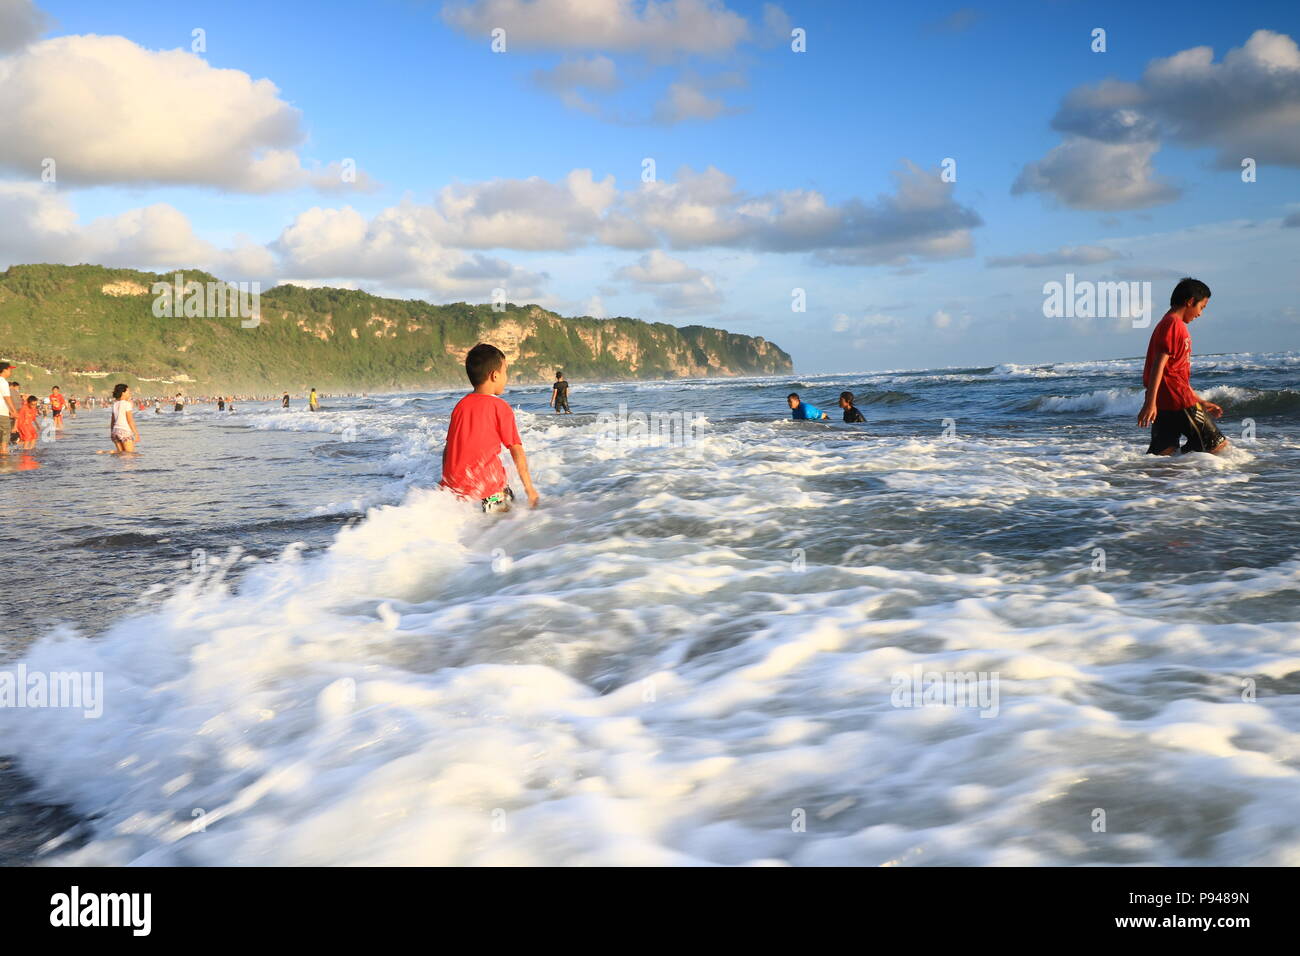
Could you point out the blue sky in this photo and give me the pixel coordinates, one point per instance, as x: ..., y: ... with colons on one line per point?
x: 775, y: 170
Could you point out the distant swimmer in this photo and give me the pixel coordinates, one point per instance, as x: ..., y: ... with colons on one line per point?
x: 284, y: 402
x: 802, y: 411
x: 180, y: 403
x: 481, y: 423
x: 221, y: 403
x: 313, y: 402
x: 157, y: 406
x: 121, y: 423
x: 72, y: 407
x: 851, y: 413
x: 1172, y: 409
x: 560, y: 395
x: 230, y: 404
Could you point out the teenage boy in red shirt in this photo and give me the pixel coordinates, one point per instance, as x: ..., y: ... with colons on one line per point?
x: 481, y: 423
x: 1171, y: 408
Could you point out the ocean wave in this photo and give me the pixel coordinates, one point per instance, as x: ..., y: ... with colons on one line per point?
x: 1011, y: 370
x: 1254, y: 401
x: 1105, y: 401
x: 1236, y: 400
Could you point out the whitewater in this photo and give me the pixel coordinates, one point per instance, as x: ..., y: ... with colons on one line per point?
x: 714, y: 650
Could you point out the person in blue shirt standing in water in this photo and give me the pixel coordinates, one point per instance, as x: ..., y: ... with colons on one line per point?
x: 802, y: 411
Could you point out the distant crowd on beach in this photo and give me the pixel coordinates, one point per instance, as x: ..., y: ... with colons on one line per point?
x: 27, y: 418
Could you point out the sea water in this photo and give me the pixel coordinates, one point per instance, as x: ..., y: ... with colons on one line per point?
x: 982, y: 628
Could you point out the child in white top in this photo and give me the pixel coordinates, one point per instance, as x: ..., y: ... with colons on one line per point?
x: 122, y: 422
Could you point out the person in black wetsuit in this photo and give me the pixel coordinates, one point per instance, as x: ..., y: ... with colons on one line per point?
x: 851, y: 413
x: 284, y: 402
x: 560, y: 394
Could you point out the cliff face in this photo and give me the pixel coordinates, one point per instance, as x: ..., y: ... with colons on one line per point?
x: 88, y: 320
x: 537, y: 342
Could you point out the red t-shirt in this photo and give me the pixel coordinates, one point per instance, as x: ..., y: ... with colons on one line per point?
x: 1171, y: 335
x: 56, y: 401
x: 471, y: 462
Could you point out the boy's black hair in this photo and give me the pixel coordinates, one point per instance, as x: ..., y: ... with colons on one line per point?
x: 847, y: 396
x: 482, y: 361
x: 559, y: 374
x: 1193, y: 289
x: 119, y: 389
x: 56, y: 388
x: 792, y: 395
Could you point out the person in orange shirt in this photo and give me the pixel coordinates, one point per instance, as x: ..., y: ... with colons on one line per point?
x: 27, y: 432
x: 57, y: 403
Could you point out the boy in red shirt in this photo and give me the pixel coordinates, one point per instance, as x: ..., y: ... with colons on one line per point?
x: 1171, y: 408
x: 481, y: 423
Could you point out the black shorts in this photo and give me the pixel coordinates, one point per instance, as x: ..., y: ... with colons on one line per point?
x: 1192, y: 423
x: 562, y: 404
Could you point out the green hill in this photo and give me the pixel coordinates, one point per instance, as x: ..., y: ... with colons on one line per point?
x: 86, y: 327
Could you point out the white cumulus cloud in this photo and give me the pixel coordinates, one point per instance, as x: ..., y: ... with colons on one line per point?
x: 37, y: 224
x: 109, y: 111
x: 1245, y: 106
